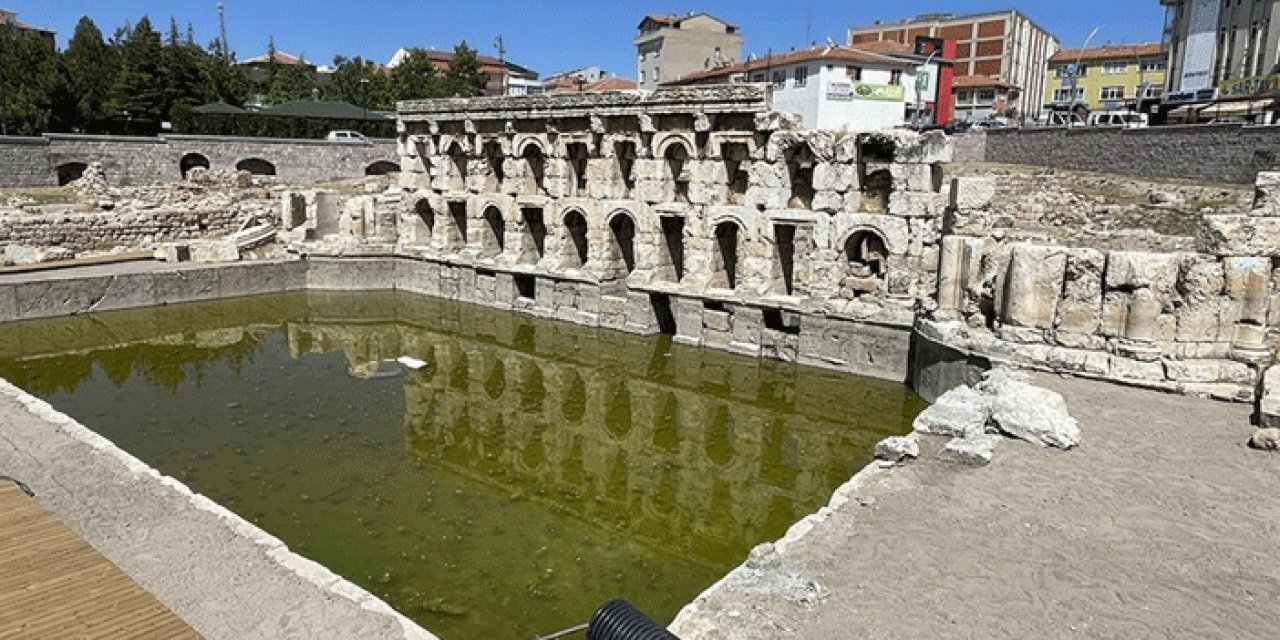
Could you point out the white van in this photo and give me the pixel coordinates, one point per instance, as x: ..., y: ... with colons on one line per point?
x: 347, y: 137
x: 1059, y: 119
x: 1126, y: 119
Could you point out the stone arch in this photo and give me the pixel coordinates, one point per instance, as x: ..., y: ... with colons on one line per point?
x: 523, y: 143
x: 576, y: 248
x: 495, y: 155
x: 191, y: 161
x: 865, y: 253
x: 382, y: 168
x: 456, y: 168
x: 256, y: 166
x: 495, y: 237
x: 725, y: 263
x: 864, y: 227
x: 676, y: 154
x: 69, y: 172
x: 535, y: 158
x: 670, y: 140
x: 801, y: 162
x: 622, y: 240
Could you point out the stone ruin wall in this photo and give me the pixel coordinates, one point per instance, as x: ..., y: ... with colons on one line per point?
x: 1190, y: 321
x: 697, y: 212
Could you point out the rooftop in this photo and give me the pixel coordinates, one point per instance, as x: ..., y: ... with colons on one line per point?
x: 672, y: 20
x: 11, y: 18
x: 280, y: 58
x: 1110, y: 52
x: 981, y: 82
x: 843, y: 53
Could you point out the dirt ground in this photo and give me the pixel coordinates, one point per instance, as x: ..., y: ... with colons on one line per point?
x: 1161, y: 525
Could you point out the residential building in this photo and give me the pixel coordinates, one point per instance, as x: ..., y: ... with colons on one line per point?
x: 503, y: 76
x: 981, y: 98
x: 281, y: 58
x: 671, y: 47
x: 1221, y: 50
x: 1109, y: 77
x: 829, y: 87
x: 572, y: 79
x: 999, y: 51
x: 609, y: 83
x: 10, y: 18
x: 935, y: 76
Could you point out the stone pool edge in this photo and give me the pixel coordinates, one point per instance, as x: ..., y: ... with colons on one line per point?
x: 326, y: 581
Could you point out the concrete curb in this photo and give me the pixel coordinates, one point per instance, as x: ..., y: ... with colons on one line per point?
x: 308, y: 570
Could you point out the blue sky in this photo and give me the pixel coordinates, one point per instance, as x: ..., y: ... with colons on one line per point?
x: 552, y: 35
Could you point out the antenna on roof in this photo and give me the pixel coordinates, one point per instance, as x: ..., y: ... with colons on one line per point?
x: 222, y: 33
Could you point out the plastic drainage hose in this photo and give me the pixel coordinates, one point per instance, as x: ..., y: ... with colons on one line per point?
x: 618, y: 620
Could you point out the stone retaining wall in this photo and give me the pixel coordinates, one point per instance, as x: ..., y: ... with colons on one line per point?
x: 50, y: 159
x: 1219, y: 153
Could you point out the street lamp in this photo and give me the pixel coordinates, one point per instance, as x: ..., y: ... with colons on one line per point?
x: 364, y: 102
x: 1075, y: 76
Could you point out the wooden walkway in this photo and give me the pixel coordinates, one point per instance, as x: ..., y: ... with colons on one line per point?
x: 54, y: 585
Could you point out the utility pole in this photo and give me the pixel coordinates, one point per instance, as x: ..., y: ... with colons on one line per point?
x: 502, y: 60
x: 222, y: 33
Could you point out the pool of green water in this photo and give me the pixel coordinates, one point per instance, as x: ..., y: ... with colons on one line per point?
x: 532, y: 471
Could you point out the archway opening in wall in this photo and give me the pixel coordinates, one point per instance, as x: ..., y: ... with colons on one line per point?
x: 256, y: 166
x: 458, y: 218
x: 576, y: 251
x: 623, y: 231
x: 457, y: 168
x: 496, y: 239
x: 866, y: 255
x: 735, y: 156
x: 494, y: 156
x: 537, y: 164
x: 726, y: 259
x: 535, y: 234
x: 800, y: 165
x: 673, y: 247
x: 784, y: 257
x: 677, y: 158
x: 625, y: 154
x: 191, y: 161
x: 874, y: 161
x: 382, y: 168
x: 426, y: 227
x: 70, y: 172
x: 579, y: 157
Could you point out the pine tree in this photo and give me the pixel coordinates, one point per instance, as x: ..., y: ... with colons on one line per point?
x: 180, y: 72
x: 416, y: 78
x: 35, y: 91
x: 139, y: 90
x: 359, y: 82
x: 222, y: 79
x: 292, y: 82
x: 463, y: 78
x: 92, y: 67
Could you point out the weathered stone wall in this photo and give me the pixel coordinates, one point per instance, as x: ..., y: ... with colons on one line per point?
x: 130, y: 161
x: 1225, y: 153
x: 103, y: 230
x: 970, y: 147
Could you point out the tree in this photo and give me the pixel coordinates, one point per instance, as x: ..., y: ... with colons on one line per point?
x: 359, y: 82
x: 463, y: 78
x: 292, y: 82
x: 180, y: 72
x: 35, y: 91
x: 221, y: 78
x: 91, y: 67
x: 416, y: 78
x: 139, y: 89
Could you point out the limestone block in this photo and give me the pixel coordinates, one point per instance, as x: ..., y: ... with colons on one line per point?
x: 974, y: 450
x: 1129, y: 369
x: 769, y: 198
x: 1033, y: 284
x: 828, y: 201
x: 1202, y: 279
x: 1027, y: 412
x: 1206, y: 321
x: 913, y: 177
x: 897, y: 448
x: 915, y: 204
x: 649, y: 169
x: 770, y: 175
x: 928, y: 148
x: 834, y: 177
x: 1233, y: 235
x: 653, y: 191
x: 707, y: 193
x: 972, y: 193
x: 1269, y: 400
x: 1138, y: 270
x: 961, y: 412
x: 959, y: 266
x: 1080, y: 310
x: 1248, y: 282
x: 1266, y: 201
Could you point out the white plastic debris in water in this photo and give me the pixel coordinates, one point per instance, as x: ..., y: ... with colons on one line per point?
x: 412, y: 363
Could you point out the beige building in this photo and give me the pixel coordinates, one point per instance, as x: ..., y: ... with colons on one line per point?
x: 669, y: 47
x: 1221, y: 49
x: 998, y: 51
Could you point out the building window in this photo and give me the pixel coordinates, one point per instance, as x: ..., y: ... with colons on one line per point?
x: 802, y: 76
x: 657, y: 74
x: 965, y: 96
x: 854, y: 73
x: 759, y: 77
x: 1151, y: 65
x: 895, y: 77
x: 987, y: 95
x: 1068, y: 95
x: 642, y: 77
x: 1154, y: 92
x: 1115, y: 66
x: 1112, y: 93
x: 779, y: 80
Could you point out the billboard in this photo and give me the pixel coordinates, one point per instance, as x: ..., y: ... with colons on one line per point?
x: 846, y: 91
x: 1197, y: 59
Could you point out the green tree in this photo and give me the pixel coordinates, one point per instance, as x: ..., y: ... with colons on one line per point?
x: 463, y: 78
x: 416, y: 78
x: 359, y: 82
x: 35, y: 91
x: 139, y: 89
x: 181, y: 72
x: 222, y: 79
x: 91, y: 67
x: 292, y: 82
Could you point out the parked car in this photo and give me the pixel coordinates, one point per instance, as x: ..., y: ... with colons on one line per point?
x: 1060, y: 119
x: 347, y: 137
x: 1126, y: 119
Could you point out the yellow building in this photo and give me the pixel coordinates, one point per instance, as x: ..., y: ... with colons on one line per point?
x: 1110, y: 77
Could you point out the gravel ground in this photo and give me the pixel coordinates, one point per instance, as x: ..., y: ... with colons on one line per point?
x: 1161, y: 525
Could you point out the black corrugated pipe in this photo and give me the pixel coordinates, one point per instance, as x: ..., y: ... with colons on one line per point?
x: 618, y: 620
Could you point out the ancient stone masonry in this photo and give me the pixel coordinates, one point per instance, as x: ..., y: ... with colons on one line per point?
x: 1193, y: 321
x: 696, y: 212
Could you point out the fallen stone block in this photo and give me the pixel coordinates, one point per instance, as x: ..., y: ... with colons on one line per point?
x: 974, y: 450
x: 897, y: 448
x: 1269, y: 399
x: 959, y: 413
x: 1027, y: 412
x: 1265, y: 440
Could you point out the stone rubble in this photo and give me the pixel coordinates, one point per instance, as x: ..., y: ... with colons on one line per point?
x: 975, y: 450
x: 898, y: 448
x: 1266, y: 440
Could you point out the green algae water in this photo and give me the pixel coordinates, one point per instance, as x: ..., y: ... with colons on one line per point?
x: 532, y: 471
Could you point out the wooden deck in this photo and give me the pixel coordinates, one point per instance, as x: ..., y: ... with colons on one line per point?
x: 54, y: 585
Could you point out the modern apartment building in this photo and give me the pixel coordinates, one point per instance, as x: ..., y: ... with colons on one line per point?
x: 1221, y: 49
x: 670, y: 47
x: 503, y: 77
x: 999, y: 52
x: 1110, y: 77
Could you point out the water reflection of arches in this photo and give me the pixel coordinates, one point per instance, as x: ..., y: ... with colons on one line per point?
x: 666, y: 423
x: 496, y: 382
x: 573, y: 397
x: 618, y: 415
x: 718, y: 445
x: 532, y: 389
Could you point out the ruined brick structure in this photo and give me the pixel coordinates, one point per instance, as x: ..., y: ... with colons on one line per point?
x: 696, y: 212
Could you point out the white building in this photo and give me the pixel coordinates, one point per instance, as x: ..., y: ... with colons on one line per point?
x: 833, y: 87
